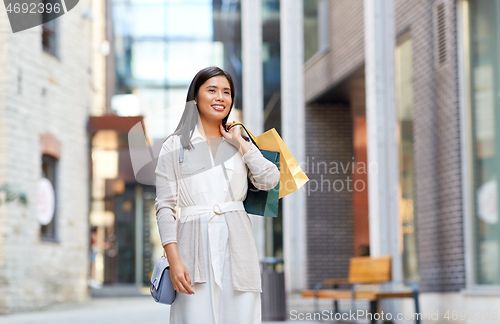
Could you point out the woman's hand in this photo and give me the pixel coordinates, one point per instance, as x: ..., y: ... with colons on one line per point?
x: 234, y: 137
x: 178, y: 271
x: 180, y: 278
x: 233, y: 134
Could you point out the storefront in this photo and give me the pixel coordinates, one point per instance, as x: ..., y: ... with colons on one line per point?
x: 125, y: 239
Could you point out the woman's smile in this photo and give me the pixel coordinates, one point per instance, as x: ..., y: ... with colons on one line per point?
x: 218, y: 107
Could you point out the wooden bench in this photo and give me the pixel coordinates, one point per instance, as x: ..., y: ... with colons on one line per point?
x: 364, y: 270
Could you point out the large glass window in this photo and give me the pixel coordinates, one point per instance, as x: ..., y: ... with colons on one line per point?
x: 404, y: 96
x: 484, y: 54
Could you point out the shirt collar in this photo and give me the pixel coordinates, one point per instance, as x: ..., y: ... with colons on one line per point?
x: 196, y: 134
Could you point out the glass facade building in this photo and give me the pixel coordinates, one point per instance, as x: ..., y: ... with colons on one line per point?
x: 161, y: 45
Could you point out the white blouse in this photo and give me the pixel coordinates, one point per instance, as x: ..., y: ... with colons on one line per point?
x: 205, y: 188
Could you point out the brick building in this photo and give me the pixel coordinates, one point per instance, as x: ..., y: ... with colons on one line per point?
x: 50, y: 83
x: 445, y: 59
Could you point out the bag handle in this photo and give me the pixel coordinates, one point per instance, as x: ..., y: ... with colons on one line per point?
x: 252, y: 136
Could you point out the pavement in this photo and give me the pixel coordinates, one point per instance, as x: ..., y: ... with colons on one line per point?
x: 129, y: 304
x: 105, y: 310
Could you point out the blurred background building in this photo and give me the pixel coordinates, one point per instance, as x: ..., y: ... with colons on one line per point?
x: 410, y: 85
x: 52, y: 78
x: 445, y: 107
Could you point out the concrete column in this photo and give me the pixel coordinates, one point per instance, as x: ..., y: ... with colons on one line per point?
x: 381, y: 119
x: 253, y: 99
x: 293, y: 134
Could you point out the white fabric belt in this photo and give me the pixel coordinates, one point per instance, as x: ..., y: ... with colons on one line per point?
x: 218, y: 208
x: 216, y: 224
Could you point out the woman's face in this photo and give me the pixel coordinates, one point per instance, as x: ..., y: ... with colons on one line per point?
x: 214, y: 99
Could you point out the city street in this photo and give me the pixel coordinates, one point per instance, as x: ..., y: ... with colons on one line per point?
x: 360, y: 183
x: 118, y: 310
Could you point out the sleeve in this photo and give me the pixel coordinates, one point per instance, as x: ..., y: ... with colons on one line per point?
x: 166, y: 194
x: 263, y: 173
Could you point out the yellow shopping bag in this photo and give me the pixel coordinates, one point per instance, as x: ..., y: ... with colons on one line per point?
x: 291, y: 175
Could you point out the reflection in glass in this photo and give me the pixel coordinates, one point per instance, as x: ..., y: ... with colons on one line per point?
x: 485, y: 113
x: 404, y: 96
x: 311, y: 34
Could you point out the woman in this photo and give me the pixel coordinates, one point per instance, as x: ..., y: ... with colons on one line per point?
x: 209, y: 243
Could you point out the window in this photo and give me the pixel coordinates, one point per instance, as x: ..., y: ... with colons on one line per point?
x: 50, y: 27
x: 484, y: 103
x: 316, y: 27
x: 404, y: 104
x: 49, y: 170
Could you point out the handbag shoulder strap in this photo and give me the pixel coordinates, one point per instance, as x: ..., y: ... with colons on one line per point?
x: 181, y: 159
x: 181, y: 153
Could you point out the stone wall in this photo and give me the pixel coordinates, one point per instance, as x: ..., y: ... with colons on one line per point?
x: 44, y: 94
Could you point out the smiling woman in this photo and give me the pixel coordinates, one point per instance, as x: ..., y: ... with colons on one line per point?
x: 215, y: 94
x: 211, y: 249
x: 210, y: 86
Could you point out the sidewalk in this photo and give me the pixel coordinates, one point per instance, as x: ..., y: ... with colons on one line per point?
x: 118, y: 310
x: 127, y: 304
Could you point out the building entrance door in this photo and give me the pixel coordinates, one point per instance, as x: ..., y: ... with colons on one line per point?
x: 125, y: 234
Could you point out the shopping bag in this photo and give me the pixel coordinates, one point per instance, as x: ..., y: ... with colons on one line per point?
x: 291, y: 175
x: 262, y: 202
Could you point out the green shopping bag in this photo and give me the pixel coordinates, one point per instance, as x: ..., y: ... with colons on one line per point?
x: 262, y: 202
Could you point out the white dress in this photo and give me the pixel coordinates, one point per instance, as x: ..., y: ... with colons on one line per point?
x: 210, y: 304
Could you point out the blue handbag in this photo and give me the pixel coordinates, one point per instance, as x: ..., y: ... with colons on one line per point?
x: 162, y: 289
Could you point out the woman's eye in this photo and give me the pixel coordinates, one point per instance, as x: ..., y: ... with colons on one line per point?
x: 211, y: 90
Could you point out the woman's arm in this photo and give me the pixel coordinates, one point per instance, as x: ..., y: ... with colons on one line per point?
x: 166, y: 200
x: 166, y: 194
x: 244, y: 146
x: 263, y: 173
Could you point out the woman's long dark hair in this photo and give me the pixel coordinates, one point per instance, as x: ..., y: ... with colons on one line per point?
x: 190, y: 116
